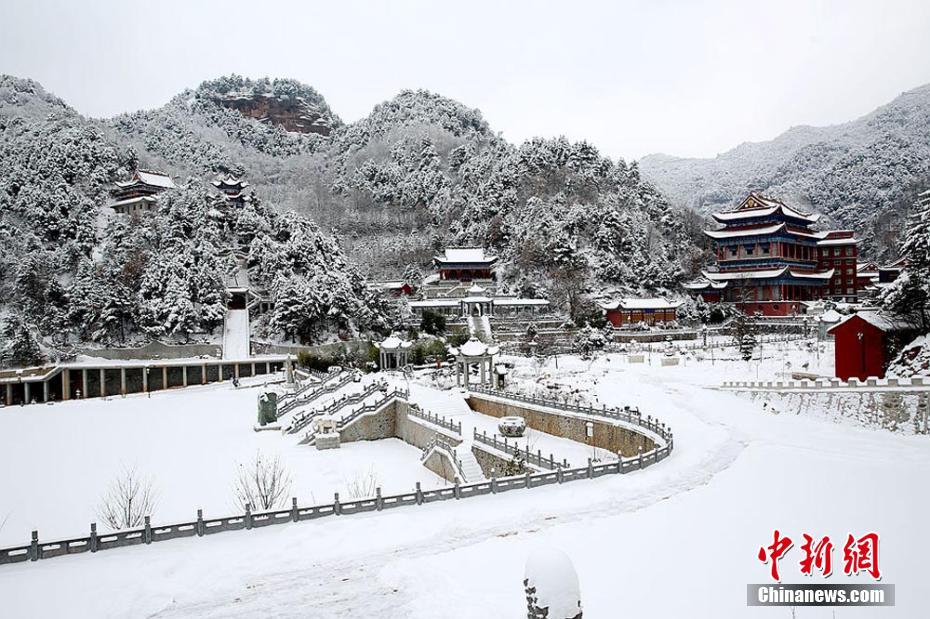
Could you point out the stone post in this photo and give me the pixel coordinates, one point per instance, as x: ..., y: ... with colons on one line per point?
x: 200, y: 526
x: 34, y: 547
x: 419, y: 494
x: 93, y: 537
x: 337, y: 507
x: 147, y: 532
x: 248, y: 516
x: 295, y: 514
x: 379, y: 502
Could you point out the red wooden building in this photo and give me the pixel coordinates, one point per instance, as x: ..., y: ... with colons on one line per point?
x: 635, y: 311
x: 866, y: 342
x: 465, y: 264
x: 769, y: 259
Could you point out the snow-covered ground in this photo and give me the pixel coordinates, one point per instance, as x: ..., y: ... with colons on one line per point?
x: 676, y: 540
x: 59, y: 459
x: 236, y: 335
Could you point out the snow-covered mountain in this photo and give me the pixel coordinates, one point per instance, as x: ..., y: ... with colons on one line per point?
x: 862, y: 174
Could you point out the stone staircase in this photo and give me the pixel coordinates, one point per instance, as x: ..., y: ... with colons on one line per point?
x: 470, y: 467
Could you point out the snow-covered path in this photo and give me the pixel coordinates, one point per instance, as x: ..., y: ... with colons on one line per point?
x: 236, y: 335
x: 675, y: 540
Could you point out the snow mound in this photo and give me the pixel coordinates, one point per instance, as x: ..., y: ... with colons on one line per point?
x: 914, y: 360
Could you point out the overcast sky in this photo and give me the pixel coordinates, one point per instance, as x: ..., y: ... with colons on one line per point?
x: 684, y: 78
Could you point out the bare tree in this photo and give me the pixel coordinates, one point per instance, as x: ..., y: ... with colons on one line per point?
x: 128, y: 500
x: 264, y: 485
x: 363, y: 485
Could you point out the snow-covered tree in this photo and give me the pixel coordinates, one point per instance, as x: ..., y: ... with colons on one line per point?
x: 19, y: 346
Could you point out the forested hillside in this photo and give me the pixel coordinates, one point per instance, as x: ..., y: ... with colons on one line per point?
x: 421, y: 171
x: 71, y: 272
x: 862, y: 174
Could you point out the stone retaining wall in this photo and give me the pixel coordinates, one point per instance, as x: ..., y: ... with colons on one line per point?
x: 492, y: 463
x: 393, y: 421
x: 606, y: 435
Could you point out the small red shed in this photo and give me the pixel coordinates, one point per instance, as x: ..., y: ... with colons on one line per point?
x: 866, y: 342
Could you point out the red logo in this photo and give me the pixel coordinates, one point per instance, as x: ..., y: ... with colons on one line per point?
x: 780, y: 545
x: 859, y: 555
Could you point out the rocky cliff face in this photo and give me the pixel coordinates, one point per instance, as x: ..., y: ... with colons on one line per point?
x: 290, y: 113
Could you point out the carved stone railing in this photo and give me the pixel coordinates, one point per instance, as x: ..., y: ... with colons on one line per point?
x: 438, y: 443
x: 442, y: 422
x: 627, y: 414
x: 302, y: 420
x: 295, y: 401
x: 535, y: 459
x: 201, y: 527
x: 310, y: 435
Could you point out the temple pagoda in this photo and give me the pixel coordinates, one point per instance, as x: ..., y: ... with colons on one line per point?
x: 233, y: 190
x: 139, y: 193
x: 769, y: 259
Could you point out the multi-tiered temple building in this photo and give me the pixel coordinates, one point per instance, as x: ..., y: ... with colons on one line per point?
x: 769, y: 260
x: 140, y: 193
x: 233, y: 190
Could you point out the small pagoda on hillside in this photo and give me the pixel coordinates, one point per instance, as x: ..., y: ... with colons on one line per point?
x: 140, y: 193
x: 233, y: 190
x: 770, y: 260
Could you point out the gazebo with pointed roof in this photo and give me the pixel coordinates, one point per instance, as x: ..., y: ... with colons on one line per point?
x: 475, y: 352
x: 392, y: 352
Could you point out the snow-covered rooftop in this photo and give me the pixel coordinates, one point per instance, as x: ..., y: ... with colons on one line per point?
x: 879, y: 320
x: 136, y: 200
x: 757, y: 205
x: 511, y: 301
x: 460, y: 255
x: 393, y: 342
x: 474, y: 348
x: 230, y: 181
x: 435, y: 303
x: 630, y: 303
x: 772, y: 229
x: 767, y: 274
x: 155, y: 179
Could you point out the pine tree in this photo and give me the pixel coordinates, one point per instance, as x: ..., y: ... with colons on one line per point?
x: 20, y: 348
x: 909, y: 295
